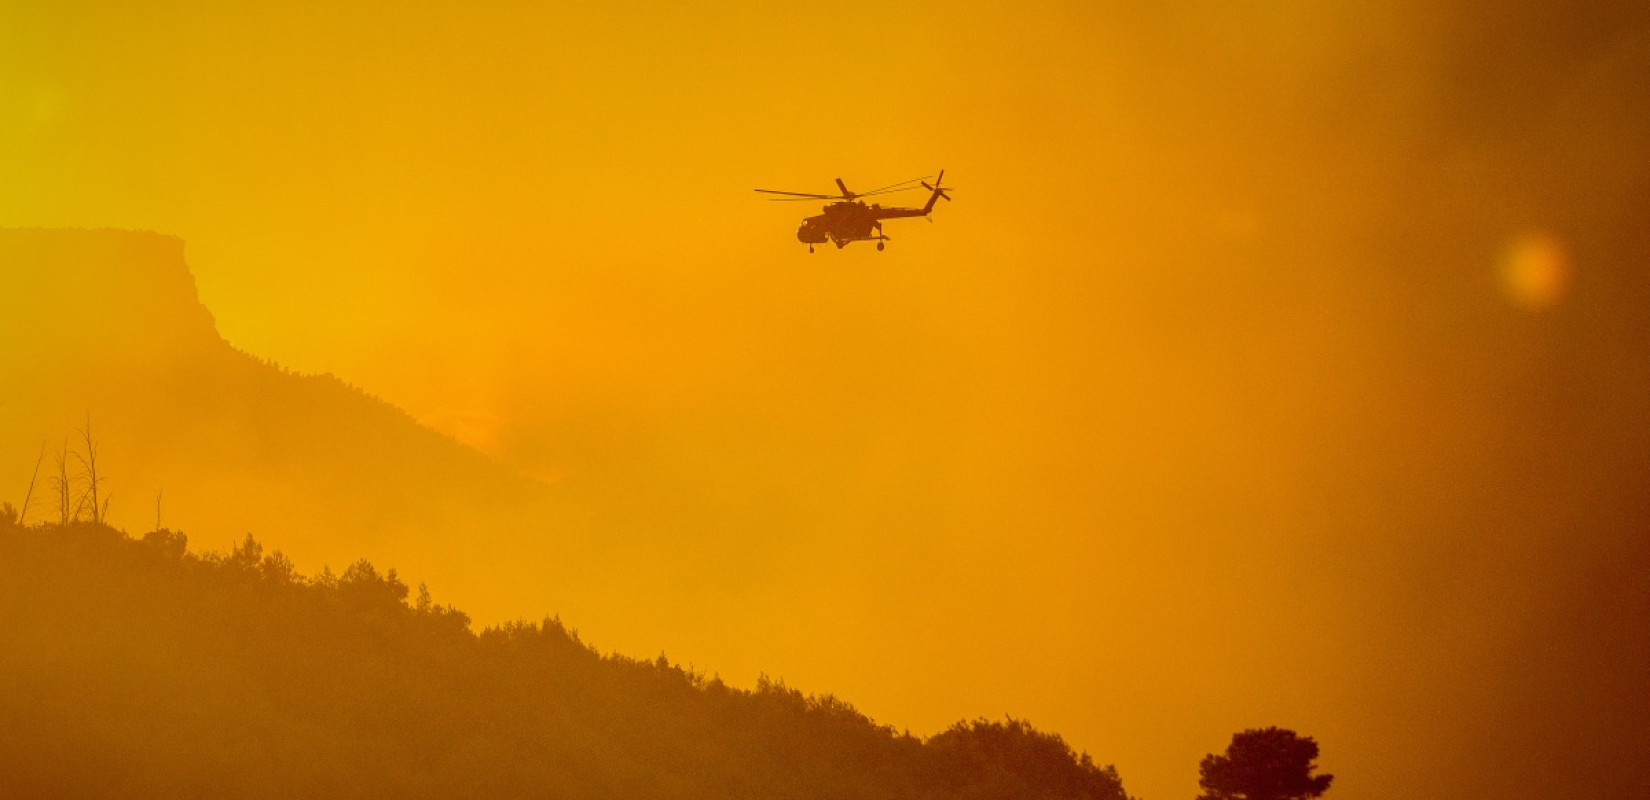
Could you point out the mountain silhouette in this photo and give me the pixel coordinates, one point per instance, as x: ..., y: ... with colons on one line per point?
x: 105, y: 326
x: 135, y: 669
x: 138, y: 668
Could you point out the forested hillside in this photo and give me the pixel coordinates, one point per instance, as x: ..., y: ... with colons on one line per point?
x: 105, y: 326
x: 135, y: 669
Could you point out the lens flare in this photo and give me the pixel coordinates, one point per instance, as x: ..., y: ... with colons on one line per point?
x: 1535, y: 272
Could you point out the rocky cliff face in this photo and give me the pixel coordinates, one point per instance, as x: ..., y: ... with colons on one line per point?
x: 106, y: 326
x: 99, y: 299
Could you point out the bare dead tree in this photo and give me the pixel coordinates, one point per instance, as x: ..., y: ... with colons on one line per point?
x: 23, y: 516
x: 158, y: 495
x: 88, y: 466
x: 64, y: 485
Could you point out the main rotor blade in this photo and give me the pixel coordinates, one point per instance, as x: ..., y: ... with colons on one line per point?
x: 848, y: 194
x: 812, y: 197
x: 890, y: 187
x: 801, y: 194
x: 887, y: 191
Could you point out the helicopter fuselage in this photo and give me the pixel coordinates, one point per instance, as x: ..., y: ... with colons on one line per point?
x: 851, y: 221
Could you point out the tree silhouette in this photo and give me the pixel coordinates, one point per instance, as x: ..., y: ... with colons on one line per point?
x: 88, y: 469
x: 228, y: 674
x: 66, y: 510
x: 1266, y: 764
x: 23, y: 516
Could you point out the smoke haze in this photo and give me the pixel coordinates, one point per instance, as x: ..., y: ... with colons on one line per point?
x: 1272, y: 367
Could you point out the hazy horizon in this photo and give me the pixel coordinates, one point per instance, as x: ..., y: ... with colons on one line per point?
x: 1271, y: 367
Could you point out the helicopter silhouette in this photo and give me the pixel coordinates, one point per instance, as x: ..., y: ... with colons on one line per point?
x: 851, y: 220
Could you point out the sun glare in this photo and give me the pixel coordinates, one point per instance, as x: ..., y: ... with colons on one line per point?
x: 1535, y: 271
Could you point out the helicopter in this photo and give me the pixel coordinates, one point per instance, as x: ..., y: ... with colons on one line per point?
x: 851, y: 220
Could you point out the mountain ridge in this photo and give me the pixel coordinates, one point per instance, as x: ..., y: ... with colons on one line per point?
x: 108, y: 329
x: 93, y: 251
x: 138, y: 669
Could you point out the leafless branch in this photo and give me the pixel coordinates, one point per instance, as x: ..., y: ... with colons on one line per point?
x: 88, y: 463
x: 64, y: 484
x: 22, y: 518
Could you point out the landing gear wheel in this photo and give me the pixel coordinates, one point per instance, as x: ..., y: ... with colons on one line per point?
x: 879, y: 245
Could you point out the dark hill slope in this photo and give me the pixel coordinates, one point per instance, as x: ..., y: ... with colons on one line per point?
x: 133, y: 669
x: 107, y: 323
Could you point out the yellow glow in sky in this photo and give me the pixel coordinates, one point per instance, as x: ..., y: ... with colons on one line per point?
x: 1201, y: 408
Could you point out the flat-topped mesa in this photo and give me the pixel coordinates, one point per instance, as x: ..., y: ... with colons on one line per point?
x: 88, y: 297
x: 104, y: 328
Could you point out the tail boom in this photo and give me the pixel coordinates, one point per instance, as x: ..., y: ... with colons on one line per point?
x: 938, y: 190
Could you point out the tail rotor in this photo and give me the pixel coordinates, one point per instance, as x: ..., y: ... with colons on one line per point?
x: 938, y: 189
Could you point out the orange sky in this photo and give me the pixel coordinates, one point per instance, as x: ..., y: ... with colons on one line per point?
x: 1271, y: 367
